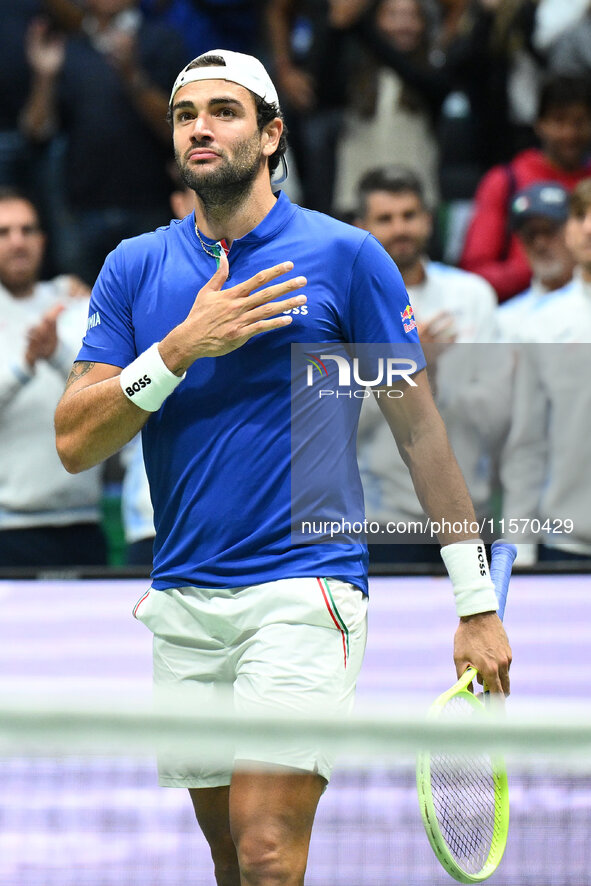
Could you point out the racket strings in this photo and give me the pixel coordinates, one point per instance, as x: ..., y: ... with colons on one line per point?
x: 464, y: 791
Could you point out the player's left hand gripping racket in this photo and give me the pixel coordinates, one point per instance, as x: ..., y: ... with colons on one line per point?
x: 464, y: 797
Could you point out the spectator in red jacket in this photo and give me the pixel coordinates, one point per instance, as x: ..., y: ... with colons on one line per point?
x: 564, y: 130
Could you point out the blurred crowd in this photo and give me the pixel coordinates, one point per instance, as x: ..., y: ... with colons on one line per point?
x: 456, y: 131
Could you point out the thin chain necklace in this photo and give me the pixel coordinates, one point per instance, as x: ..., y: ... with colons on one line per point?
x: 205, y: 247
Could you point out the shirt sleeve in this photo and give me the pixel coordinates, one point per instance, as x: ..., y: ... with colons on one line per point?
x: 378, y: 308
x: 378, y: 312
x: 109, y: 335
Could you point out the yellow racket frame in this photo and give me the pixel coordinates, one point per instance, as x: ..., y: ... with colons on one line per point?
x: 501, y: 814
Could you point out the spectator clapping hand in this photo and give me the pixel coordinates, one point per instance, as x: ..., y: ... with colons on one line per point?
x: 439, y: 329
x: 76, y: 287
x: 45, y: 48
x: 42, y: 339
x: 122, y: 52
x: 438, y: 334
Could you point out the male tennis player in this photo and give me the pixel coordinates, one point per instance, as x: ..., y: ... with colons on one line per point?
x: 234, y: 603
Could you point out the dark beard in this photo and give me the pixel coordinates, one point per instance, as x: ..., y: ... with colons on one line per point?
x: 227, y: 187
x: 406, y: 262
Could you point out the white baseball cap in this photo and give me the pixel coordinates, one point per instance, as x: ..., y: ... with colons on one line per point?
x: 246, y: 70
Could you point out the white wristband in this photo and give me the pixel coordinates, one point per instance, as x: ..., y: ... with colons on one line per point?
x: 148, y: 381
x: 467, y: 567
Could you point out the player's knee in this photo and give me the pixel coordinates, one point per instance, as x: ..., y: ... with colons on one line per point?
x: 265, y: 861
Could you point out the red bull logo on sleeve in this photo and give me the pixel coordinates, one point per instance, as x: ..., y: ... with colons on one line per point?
x: 408, y: 319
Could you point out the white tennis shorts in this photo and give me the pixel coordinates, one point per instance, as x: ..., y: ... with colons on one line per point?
x: 289, y: 646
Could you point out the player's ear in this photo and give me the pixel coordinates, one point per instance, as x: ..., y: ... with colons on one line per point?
x: 271, y: 135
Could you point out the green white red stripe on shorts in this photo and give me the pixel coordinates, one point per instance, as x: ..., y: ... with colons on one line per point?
x: 139, y: 603
x: 335, y: 615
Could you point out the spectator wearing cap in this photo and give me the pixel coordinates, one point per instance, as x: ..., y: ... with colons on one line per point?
x: 546, y: 466
x: 565, y: 313
x: 563, y: 127
x: 538, y: 218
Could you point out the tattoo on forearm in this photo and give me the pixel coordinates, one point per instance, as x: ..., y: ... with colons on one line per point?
x: 78, y: 371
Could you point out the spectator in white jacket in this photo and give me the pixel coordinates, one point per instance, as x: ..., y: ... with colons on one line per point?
x: 538, y: 216
x: 47, y: 516
x: 546, y: 467
x: 451, y: 307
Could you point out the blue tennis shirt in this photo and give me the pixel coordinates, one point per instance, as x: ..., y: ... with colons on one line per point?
x: 218, y: 452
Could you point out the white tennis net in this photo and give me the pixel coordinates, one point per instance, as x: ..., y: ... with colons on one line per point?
x: 79, y: 801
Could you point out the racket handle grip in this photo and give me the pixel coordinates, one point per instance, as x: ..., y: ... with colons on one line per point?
x: 502, y: 557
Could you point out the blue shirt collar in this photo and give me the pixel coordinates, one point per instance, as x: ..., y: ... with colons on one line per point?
x: 275, y: 220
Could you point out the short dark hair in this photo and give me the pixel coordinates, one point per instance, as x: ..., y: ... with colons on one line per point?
x: 266, y: 111
x: 561, y: 90
x: 394, y: 179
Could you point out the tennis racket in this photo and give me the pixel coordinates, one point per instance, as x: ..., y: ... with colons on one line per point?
x: 464, y: 798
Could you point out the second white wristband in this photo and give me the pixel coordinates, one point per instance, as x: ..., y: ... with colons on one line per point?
x: 467, y: 567
x: 148, y: 381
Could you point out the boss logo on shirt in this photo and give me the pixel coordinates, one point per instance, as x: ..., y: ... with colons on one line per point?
x: 137, y: 386
x: 303, y: 309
